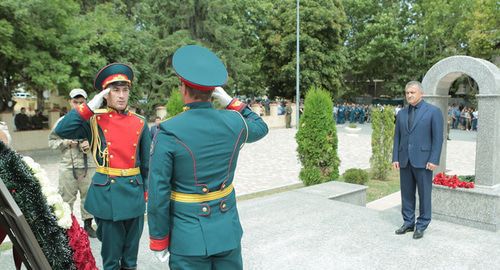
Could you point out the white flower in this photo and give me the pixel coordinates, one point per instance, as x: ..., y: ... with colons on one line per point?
x: 48, y: 190
x: 42, y: 178
x: 61, y: 210
x: 32, y: 164
x: 54, y: 199
x: 64, y: 218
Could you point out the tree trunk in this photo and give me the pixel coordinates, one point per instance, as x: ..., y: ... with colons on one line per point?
x: 5, y: 97
x: 40, y: 104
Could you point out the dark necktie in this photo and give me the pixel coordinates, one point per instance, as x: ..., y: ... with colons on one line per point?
x: 411, y: 116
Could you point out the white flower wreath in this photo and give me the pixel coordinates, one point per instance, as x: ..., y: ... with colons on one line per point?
x: 60, y: 209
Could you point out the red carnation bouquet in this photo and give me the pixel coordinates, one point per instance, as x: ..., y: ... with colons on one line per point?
x: 79, y: 242
x: 451, y: 181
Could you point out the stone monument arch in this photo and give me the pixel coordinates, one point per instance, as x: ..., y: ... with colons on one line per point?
x: 478, y: 207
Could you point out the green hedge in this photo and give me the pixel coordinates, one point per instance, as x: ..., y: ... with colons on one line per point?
x: 175, y: 103
x: 317, y: 139
x: 382, y: 141
x: 356, y: 176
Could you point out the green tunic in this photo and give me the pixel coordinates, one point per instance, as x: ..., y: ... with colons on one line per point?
x: 193, y: 153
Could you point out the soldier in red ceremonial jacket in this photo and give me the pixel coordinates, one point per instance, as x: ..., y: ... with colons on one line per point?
x: 120, y: 143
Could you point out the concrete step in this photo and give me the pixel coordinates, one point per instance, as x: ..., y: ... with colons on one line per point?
x: 387, y: 202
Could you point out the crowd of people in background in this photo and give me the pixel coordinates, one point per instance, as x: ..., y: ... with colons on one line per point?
x: 463, y: 117
x: 25, y: 122
x: 352, y: 113
x: 459, y: 116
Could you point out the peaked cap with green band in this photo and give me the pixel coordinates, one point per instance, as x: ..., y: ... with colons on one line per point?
x: 199, y: 68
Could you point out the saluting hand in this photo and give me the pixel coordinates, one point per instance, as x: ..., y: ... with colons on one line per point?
x: 222, y: 96
x: 96, y: 102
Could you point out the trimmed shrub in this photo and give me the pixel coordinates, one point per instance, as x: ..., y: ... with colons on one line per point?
x: 310, y: 176
x: 355, y: 176
x: 317, y: 139
x: 382, y: 141
x: 175, y: 104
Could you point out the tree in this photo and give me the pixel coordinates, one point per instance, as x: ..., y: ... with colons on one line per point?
x: 483, y: 37
x: 35, y: 33
x: 223, y: 26
x: 322, y: 54
x: 317, y: 139
x: 377, y: 43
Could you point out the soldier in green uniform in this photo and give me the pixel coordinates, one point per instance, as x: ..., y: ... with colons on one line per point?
x: 120, y: 144
x: 75, y: 168
x: 192, y: 206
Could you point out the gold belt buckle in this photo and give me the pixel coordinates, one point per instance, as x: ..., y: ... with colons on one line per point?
x: 124, y: 172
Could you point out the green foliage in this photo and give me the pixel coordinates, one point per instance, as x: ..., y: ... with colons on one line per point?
x: 61, y: 44
x: 356, y: 176
x: 27, y: 193
x: 311, y: 176
x: 377, y: 43
x: 229, y: 28
x: 467, y: 178
x: 322, y: 55
x: 382, y: 140
x: 352, y: 125
x: 175, y: 104
x: 317, y: 139
x: 482, y: 34
x: 398, y: 41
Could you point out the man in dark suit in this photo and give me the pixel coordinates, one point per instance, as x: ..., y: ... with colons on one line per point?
x: 418, y: 139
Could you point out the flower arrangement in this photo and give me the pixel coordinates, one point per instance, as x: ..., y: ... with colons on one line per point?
x: 26, y: 191
x: 451, y: 181
x: 60, y: 209
x: 78, y: 238
x: 79, y: 242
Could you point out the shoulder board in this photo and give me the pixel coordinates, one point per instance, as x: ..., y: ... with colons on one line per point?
x: 138, y: 115
x: 172, y: 117
x: 100, y: 111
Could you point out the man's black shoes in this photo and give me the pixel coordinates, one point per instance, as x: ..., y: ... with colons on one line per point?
x: 418, y: 234
x: 404, y: 229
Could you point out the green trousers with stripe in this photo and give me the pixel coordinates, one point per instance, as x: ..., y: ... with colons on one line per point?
x: 120, y: 242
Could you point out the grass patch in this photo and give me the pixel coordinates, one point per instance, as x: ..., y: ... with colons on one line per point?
x: 378, y: 189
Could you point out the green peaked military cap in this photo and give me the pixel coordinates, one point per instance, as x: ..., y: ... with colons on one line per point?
x: 199, y: 68
x: 114, y: 72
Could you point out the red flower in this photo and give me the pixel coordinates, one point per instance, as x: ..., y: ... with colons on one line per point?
x: 79, y: 242
x: 451, y: 181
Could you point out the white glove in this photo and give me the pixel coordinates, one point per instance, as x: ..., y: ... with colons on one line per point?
x: 222, y: 96
x: 161, y: 255
x: 96, y: 102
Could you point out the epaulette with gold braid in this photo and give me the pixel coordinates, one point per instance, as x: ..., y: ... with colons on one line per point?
x: 138, y: 115
x: 101, y: 111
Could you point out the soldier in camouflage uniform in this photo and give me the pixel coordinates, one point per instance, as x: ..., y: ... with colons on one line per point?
x: 75, y: 168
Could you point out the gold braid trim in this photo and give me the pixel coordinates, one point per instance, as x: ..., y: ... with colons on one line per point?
x: 96, y: 144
